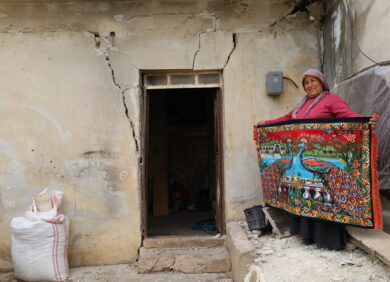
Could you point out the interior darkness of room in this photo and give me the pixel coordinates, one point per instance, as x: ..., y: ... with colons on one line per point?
x: 181, y: 162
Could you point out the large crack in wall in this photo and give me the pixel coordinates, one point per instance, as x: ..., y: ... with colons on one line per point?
x: 122, y: 92
x: 103, y: 47
x: 234, y: 39
x: 300, y: 6
x: 213, y: 29
x: 303, y: 6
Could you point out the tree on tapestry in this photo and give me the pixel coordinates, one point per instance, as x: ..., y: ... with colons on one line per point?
x: 273, y: 173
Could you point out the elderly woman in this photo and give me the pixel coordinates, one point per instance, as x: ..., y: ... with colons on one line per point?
x: 319, y: 103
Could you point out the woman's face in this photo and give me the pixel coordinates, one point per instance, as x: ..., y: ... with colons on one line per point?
x: 313, y: 86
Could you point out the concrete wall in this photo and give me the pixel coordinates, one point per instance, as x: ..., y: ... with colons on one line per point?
x: 292, y: 47
x: 356, y: 61
x: 64, y: 103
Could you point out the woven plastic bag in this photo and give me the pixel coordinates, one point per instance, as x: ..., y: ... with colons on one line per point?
x: 40, y: 240
x: 46, y: 207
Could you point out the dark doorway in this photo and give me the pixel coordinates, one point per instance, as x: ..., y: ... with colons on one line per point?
x: 182, y: 162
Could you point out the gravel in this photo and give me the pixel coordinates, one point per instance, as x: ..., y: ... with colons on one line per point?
x: 288, y: 259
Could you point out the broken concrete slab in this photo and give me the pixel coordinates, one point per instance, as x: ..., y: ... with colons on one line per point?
x: 183, y: 242
x: 199, y: 260
x: 373, y: 241
x: 241, y: 251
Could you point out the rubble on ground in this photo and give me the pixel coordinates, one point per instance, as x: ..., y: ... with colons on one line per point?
x: 288, y: 259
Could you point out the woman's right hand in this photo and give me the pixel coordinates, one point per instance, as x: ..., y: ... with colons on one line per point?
x: 374, y: 120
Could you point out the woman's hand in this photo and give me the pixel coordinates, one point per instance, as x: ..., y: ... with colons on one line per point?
x: 374, y: 120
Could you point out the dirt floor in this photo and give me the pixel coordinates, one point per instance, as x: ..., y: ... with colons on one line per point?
x: 288, y: 259
x: 126, y: 273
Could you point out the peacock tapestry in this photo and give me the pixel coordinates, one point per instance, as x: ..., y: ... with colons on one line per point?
x: 322, y: 168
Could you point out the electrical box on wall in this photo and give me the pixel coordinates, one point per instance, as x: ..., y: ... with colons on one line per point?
x: 274, y: 83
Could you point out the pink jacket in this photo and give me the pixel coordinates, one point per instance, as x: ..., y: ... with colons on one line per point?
x: 331, y: 106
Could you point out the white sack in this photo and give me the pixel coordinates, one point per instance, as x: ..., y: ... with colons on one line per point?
x: 39, y: 249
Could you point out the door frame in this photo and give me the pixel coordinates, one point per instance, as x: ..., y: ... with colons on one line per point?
x: 220, y: 165
x: 144, y: 142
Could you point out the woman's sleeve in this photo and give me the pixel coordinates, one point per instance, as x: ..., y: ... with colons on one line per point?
x: 340, y: 108
x: 280, y: 119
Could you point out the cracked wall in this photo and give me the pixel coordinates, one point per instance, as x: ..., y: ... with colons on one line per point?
x: 290, y: 46
x: 71, y: 102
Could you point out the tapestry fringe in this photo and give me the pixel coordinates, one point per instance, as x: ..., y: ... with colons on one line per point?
x: 376, y: 202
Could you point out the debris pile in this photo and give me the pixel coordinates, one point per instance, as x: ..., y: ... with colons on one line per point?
x: 288, y: 259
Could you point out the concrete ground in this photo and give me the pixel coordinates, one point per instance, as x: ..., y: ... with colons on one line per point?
x: 126, y: 273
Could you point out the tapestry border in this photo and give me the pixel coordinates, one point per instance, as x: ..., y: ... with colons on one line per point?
x: 345, y: 124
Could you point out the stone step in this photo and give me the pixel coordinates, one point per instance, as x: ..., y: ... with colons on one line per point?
x: 373, y: 241
x: 164, y: 242
x: 197, y: 260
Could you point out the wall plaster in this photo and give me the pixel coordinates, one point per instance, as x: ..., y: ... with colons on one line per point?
x: 71, y: 106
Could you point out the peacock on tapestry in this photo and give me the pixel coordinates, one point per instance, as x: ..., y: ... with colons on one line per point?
x: 321, y: 168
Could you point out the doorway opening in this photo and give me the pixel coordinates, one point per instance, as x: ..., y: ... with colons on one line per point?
x: 182, y: 183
